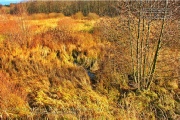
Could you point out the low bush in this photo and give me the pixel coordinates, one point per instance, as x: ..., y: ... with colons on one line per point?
x: 92, y: 16
x: 55, y: 15
x: 78, y: 15
x: 38, y: 16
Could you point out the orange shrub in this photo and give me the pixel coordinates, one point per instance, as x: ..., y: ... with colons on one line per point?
x: 66, y: 23
x: 4, y: 10
x: 12, y: 95
x: 60, y: 14
x: 14, y: 32
x: 10, y: 26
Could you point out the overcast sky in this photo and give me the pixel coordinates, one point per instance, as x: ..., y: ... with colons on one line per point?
x: 7, y: 2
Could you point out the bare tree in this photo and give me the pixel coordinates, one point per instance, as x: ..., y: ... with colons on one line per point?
x: 144, y: 58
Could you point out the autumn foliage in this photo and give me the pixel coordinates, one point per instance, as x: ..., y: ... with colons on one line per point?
x: 82, y: 67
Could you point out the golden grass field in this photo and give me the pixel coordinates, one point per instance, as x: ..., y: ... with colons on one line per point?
x: 43, y: 73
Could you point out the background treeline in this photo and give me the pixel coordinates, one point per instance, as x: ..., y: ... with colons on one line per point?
x: 102, y: 8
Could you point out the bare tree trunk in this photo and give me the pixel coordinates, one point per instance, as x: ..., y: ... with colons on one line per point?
x: 151, y: 74
x: 131, y: 45
x: 138, y: 58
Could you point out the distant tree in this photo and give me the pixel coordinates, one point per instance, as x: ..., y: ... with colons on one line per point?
x: 1, y: 6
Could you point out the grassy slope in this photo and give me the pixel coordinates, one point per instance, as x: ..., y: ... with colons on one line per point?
x: 49, y: 79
